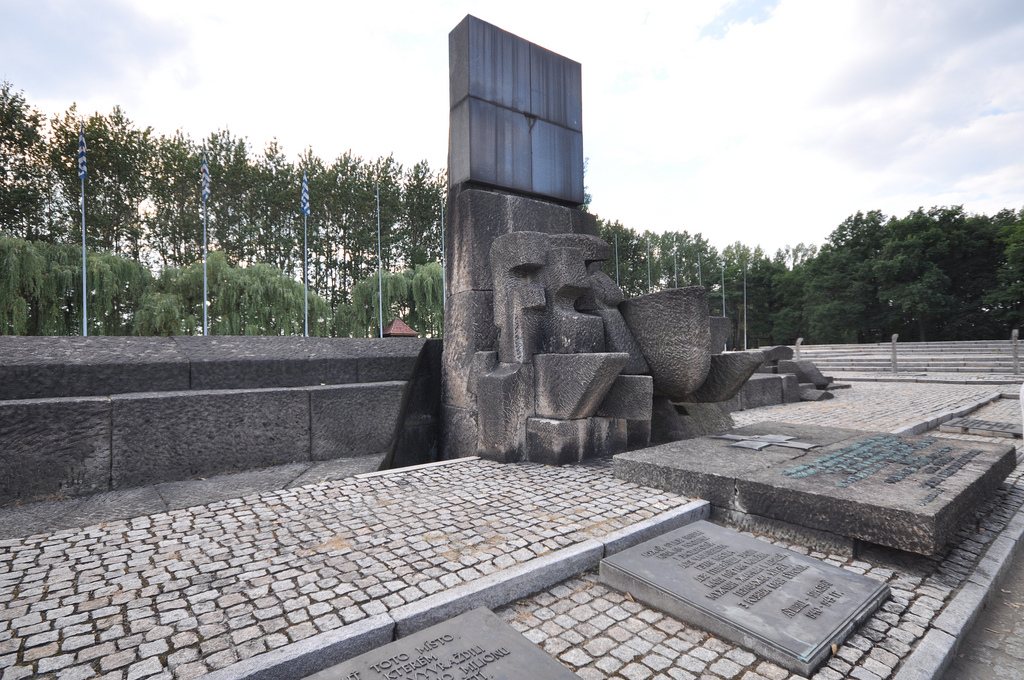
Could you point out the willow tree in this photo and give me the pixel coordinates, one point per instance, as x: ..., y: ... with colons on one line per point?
x: 255, y: 300
x: 41, y: 289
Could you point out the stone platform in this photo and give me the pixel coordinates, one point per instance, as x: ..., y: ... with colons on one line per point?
x: 69, y: 607
x: 905, y: 492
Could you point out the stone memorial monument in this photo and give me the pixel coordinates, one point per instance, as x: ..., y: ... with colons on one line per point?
x: 543, y: 359
x: 476, y: 645
x: 907, y: 492
x: 787, y: 608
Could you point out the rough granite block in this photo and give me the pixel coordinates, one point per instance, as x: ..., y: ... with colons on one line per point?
x: 49, y: 367
x: 762, y: 390
x: 172, y: 436
x: 469, y: 328
x: 630, y: 397
x: 459, y: 433
x: 251, y: 362
x: 362, y: 419
x: 51, y: 448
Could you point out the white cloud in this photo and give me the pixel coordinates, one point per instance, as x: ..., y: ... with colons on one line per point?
x: 763, y: 121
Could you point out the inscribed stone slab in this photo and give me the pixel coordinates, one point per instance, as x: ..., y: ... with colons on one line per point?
x: 785, y: 607
x: 476, y: 645
x: 910, y: 493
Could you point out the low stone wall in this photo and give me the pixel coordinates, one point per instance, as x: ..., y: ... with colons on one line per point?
x: 195, y: 407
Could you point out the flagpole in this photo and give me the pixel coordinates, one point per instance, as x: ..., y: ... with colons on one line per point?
x: 304, y: 206
x: 305, y: 275
x: 648, y: 265
x: 444, y: 290
x: 81, y: 175
x: 616, y: 259
x: 85, y: 314
x: 380, y: 270
x: 204, y: 173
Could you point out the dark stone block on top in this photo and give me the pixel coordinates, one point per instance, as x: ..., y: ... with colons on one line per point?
x: 910, y: 493
x: 361, y: 419
x: 54, y: 448
x: 172, y: 436
x: 516, y: 114
x: 47, y: 367
x: 242, y: 362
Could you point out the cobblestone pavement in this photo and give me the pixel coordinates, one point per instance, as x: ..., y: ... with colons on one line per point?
x: 873, y: 406
x: 176, y: 594
x: 995, y: 648
x: 180, y: 593
x: 600, y: 633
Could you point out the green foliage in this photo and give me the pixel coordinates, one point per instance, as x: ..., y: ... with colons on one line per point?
x: 41, y: 289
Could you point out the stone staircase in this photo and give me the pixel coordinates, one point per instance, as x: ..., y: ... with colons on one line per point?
x: 969, y: 356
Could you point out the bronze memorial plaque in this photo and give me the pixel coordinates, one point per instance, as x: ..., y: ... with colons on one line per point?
x: 785, y: 607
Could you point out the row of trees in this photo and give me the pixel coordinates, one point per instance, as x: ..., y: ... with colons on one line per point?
x: 143, y: 200
x: 934, y: 274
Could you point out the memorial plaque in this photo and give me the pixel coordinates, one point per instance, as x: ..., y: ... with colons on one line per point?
x: 906, y: 492
x: 785, y: 607
x: 476, y: 645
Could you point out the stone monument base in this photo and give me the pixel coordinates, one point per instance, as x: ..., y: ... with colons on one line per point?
x: 909, y: 493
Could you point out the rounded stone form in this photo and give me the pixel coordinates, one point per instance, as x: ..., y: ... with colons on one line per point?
x: 673, y: 330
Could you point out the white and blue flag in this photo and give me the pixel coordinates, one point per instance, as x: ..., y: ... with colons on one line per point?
x: 305, y: 195
x: 205, y: 174
x: 81, y: 152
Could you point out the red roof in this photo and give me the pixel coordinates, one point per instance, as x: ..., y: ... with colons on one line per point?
x: 399, y: 329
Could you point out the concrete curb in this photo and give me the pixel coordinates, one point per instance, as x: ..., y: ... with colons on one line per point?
x: 932, y: 423
x: 1003, y: 379
x: 308, y: 656
x: 936, y: 651
x: 303, y: 658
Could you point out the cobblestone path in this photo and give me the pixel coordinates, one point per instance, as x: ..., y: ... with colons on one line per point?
x: 176, y: 594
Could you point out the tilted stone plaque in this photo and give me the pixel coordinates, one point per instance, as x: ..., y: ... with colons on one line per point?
x: 785, y: 607
x: 907, y: 492
x: 476, y: 645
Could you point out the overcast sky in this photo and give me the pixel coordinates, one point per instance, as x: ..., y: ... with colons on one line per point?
x: 761, y: 121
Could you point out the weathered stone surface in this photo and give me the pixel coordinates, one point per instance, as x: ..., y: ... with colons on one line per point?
x: 477, y: 217
x: 805, y: 371
x: 638, y: 433
x: 777, y: 353
x: 516, y: 114
x: 505, y: 397
x: 790, y: 388
x: 355, y: 420
x: 171, y: 436
x: 246, y: 361
x: 788, y: 608
x: 472, y: 645
x: 469, y: 328
x: 557, y: 442
x: 762, y: 390
x: 729, y: 372
x: 721, y: 330
x: 47, y: 367
x: 564, y: 329
x: 607, y: 436
x: 630, y: 397
x: 54, y: 448
x: 809, y: 393
x: 672, y: 329
x: 673, y: 422
x: 517, y: 263
x: 571, y: 386
x: 459, y: 432
x: 910, y: 493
